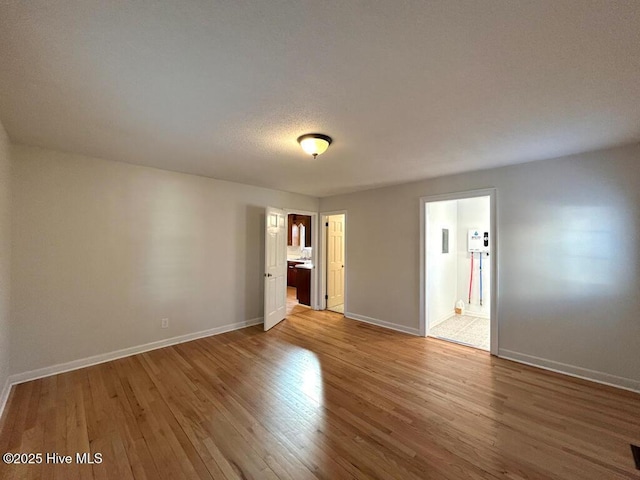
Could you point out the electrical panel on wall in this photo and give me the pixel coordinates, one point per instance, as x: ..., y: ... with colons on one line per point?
x: 478, y: 240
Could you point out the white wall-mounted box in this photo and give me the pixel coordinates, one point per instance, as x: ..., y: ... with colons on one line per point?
x: 478, y: 240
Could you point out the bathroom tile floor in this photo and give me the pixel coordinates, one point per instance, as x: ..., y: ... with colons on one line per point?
x: 465, y: 329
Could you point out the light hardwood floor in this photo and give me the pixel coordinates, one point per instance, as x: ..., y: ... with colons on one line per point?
x: 320, y: 396
x: 293, y: 306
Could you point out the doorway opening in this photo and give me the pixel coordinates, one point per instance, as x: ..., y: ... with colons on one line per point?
x: 459, y: 269
x: 301, y: 254
x: 334, y: 255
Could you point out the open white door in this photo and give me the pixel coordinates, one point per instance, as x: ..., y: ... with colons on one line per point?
x: 275, y: 268
x: 335, y: 261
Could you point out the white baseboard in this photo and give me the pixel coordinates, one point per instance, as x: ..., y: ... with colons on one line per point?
x: 107, y: 357
x: 382, y: 323
x: 441, y: 319
x: 572, y: 370
x: 471, y: 313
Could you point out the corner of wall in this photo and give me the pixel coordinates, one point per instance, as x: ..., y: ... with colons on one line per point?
x: 5, y: 266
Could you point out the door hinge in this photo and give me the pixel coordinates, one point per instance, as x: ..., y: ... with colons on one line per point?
x: 326, y: 297
x: 326, y: 224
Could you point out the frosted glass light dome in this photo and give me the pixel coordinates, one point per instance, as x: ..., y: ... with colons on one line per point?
x: 314, y: 143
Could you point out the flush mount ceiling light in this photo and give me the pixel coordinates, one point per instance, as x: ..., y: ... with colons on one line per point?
x: 314, y: 143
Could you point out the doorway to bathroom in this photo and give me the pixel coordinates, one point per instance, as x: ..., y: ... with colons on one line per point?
x: 459, y: 269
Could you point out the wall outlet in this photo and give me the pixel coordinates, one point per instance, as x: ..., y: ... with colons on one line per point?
x: 165, y: 323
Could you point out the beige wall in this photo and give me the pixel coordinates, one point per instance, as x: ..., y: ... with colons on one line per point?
x: 102, y: 251
x: 568, y: 259
x: 5, y: 260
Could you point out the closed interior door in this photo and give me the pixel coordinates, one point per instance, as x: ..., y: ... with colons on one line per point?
x: 335, y: 260
x: 275, y: 276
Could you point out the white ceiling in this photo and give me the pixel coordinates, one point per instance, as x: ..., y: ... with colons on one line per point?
x: 408, y: 89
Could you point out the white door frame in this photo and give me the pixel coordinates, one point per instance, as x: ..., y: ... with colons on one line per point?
x: 315, y: 304
x: 493, y: 258
x: 322, y: 290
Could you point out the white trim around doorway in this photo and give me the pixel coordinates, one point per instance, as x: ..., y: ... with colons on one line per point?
x: 492, y: 194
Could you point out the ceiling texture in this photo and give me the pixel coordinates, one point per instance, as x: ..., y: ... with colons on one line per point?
x: 408, y: 89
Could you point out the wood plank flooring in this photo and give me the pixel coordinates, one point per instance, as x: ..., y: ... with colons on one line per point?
x: 321, y: 396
